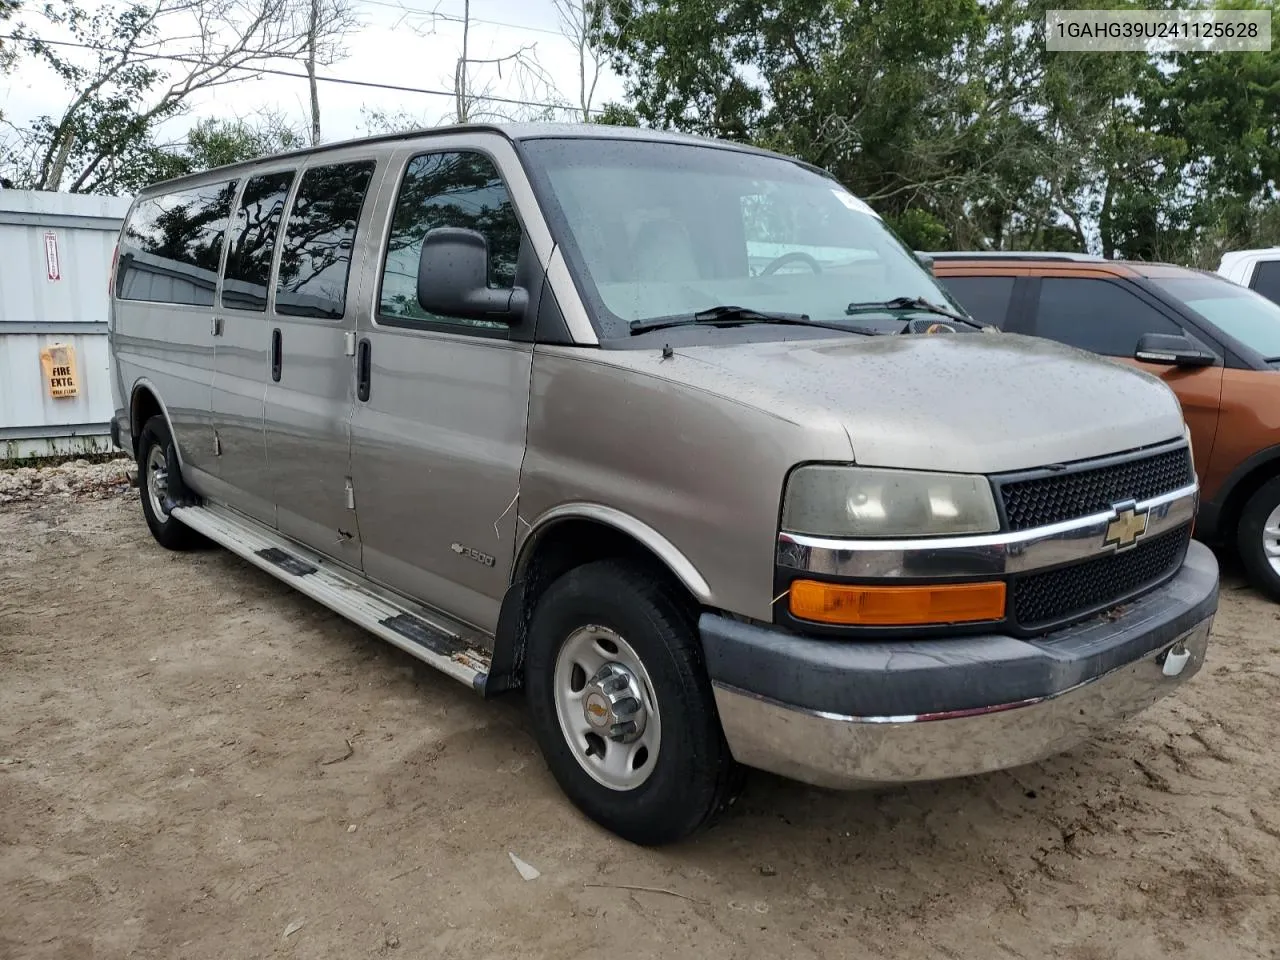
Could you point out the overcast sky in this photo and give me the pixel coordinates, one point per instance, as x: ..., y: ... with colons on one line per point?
x: 384, y: 49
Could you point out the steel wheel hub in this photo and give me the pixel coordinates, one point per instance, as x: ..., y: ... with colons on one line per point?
x: 1271, y: 539
x: 606, y: 707
x: 612, y: 704
x: 158, y: 481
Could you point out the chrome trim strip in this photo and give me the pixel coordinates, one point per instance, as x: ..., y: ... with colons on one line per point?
x: 987, y: 555
x: 850, y: 752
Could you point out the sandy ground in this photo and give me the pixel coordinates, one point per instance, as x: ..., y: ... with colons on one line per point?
x: 196, y: 762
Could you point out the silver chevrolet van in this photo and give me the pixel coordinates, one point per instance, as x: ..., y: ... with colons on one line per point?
x: 674, y: 435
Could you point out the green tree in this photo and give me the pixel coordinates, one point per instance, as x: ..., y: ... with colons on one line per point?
x: 1226, y: 108
x: 7, y: 9
x: 210, y: 143
x: 892, y: 97
x: 134, y: 66
x: 957, y: 123
x: 216, y: 143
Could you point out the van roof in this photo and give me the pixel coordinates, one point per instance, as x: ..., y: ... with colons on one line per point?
x: 1233, y: 257
x: 512, y: 131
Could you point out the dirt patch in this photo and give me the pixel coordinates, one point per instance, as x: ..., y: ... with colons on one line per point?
x: 196, y: 761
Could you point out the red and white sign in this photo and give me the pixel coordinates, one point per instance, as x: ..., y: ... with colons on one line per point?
x: 51, y: 256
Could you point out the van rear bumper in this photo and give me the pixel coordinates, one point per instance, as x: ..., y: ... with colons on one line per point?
x: 848, y: 714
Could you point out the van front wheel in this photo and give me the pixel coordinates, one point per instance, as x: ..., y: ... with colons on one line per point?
x: 1258, y: 538
x: 160, y: 483
x: 622, y: 706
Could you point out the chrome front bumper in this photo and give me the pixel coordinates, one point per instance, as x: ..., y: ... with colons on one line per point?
x: 844, y: 752
x: 849, y: 714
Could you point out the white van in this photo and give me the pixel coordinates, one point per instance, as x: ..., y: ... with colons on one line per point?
x: 1259, y: 270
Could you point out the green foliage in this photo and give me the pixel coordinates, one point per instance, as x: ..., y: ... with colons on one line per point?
x: 119, y: 94
x: 920, y: 229
x: 952, y: 118
x: 376, y: 120
x: 216, y: 143
x: 7, y: 9
x: 210, y: 143
x: 617, y: 115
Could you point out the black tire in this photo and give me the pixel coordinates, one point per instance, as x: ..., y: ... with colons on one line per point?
x: 694, y: 778
x: 1251, y: 538
x: 169, y: 533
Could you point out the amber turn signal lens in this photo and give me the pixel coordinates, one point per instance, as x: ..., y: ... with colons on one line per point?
x: 860, y: 605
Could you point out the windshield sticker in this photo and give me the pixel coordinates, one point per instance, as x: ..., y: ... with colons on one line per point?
x: 853, y: 203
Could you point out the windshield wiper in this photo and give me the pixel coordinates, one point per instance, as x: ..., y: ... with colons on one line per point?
x: 728, y: 315
x: 919, y: 304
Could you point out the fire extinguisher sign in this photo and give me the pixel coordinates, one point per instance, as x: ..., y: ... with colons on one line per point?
x: 51, y: 256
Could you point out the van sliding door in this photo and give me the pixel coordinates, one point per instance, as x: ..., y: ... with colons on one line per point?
x: 310, y: 386
x: 240, y: 323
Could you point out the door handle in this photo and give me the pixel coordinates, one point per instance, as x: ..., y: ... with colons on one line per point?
x: 364, y: 369
x: 276, y: 358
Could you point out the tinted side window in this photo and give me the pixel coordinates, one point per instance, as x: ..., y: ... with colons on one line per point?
x: 253, y: 241
x: 447, y: 190
x: 318, y: 241
x: 171, y: 247
x: 1266, y: 279
x: 1096, y: 315
x: 986, y: 298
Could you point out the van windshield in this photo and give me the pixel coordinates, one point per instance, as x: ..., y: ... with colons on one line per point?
x: 666, y: 230
x: 1237, y: 311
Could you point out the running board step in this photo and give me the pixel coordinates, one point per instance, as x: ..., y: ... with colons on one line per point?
x: 414, y: 629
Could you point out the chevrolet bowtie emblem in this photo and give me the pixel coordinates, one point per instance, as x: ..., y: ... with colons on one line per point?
x: 1127, y: 528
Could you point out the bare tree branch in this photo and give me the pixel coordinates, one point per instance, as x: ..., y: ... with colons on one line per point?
x: 575, y: 23
x: 472, y: 88
x: 121, y: 94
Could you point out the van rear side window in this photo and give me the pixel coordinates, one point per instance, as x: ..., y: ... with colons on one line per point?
x: 321, y: 233
x: 253, y: 241
x: 1266, y: 279
x: 172, y: 245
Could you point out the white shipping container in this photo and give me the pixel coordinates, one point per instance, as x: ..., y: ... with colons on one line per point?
x: 55, y: 260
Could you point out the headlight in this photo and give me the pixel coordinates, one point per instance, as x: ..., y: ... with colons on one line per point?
x: 832, y: 501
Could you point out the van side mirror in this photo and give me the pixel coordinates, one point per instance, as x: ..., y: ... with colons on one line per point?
x: 1172, y: 350
x: 453, y: 279
x: 925, y: 261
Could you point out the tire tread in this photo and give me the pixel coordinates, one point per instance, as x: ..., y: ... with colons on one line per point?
x: 1249, y: 538
x: 171, y: 534
x: 673, y: 616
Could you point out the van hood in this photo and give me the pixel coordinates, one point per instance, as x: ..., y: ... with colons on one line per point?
x: 969, y: 403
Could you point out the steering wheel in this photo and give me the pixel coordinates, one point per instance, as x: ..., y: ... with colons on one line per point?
x: 795, y: 256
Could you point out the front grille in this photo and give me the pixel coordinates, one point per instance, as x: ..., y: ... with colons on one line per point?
x: 1054, y: 497
x: 1049, y: 598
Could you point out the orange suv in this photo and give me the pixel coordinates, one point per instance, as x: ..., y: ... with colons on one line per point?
x: 1215, y: 343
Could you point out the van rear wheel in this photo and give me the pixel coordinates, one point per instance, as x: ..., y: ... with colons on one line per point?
x: 622, y: 707
x: 160, y: 483
x: 1258, y: 538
